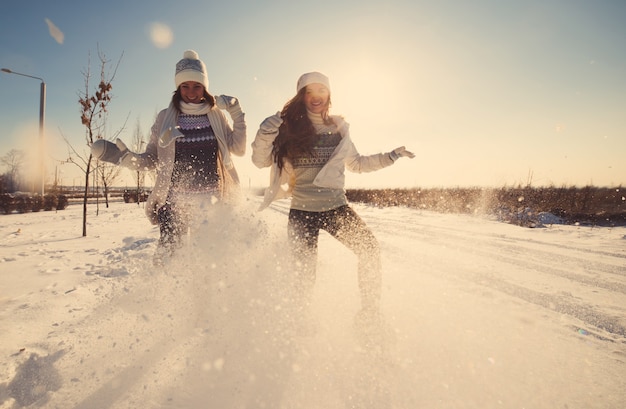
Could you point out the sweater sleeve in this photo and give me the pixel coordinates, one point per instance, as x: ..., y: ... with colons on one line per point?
x: 147, y: 160
x: 357, y: 163
x: 368, y: 163
x: 262, y: 148
x: 236, y: 135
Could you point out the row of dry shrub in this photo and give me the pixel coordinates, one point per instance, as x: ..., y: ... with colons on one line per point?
x: 25, y: 202
x: 587, y: 205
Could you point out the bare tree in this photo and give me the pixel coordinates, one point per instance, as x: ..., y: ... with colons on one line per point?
x: 138, y: 146
x: 107, y: 174
x: 94, y: 115
x: 13, y: 160
x: 3, y: 184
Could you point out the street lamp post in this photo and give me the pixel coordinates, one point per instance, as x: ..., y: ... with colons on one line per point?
x: 42, y: 112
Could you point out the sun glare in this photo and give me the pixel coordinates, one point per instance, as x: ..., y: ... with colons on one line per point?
x: 368, y: 93
x: 161, y: 35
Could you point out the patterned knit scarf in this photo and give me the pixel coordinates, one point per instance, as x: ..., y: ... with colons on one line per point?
x: 168, y: 130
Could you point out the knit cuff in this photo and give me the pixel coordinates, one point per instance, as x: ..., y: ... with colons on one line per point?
x: 235, y: 112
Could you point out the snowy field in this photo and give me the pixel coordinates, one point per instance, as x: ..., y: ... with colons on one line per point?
x: 479, y: 314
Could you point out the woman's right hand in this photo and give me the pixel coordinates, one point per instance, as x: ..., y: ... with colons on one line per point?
x: 271, y: 124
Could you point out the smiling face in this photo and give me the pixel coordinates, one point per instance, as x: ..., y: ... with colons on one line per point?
x: 316, y: 98
x: 192, y: 92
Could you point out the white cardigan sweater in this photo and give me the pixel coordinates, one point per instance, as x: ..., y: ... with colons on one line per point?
x: 332, y: 175
x: 160, y: 152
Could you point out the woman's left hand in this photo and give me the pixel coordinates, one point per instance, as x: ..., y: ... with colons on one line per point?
x: 400, y: 152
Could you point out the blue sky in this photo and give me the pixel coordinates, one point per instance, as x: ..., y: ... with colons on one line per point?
x: 486, y: 93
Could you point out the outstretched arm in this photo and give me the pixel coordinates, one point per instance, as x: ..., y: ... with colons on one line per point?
x: 400, y: 152
x: 368, y: 163
x: 118, y: 154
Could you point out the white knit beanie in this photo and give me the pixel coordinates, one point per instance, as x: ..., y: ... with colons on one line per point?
x: 191, y: 68
x: 312, y: 78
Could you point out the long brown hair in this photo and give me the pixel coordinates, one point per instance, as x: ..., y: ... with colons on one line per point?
x: 296, y: 135
x: 177, y: 98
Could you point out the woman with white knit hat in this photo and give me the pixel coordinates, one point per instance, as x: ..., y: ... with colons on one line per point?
x: 190, y: 148
x: 308, y: 151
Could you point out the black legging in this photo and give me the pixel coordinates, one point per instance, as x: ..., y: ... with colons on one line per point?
x: 346, y: 226
x: 171, y: 225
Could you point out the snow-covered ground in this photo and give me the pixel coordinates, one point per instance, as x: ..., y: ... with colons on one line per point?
x: 479, y: 314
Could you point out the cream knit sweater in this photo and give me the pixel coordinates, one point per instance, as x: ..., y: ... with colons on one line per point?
x: 332, y: 175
